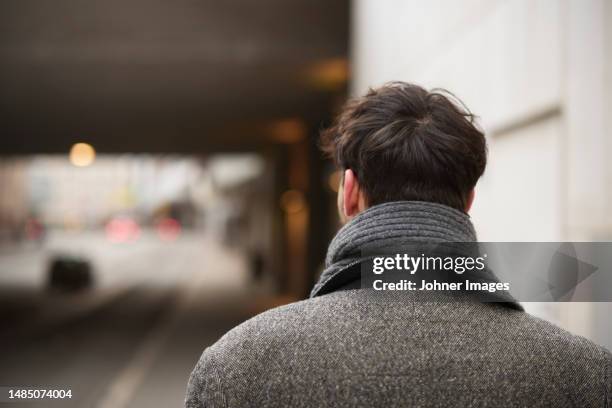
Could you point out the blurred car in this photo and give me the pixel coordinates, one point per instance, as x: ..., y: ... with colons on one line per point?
x: 70, y: 273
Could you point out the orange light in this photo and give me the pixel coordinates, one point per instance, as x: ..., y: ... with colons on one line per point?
x: 82, y: 154
x: 292, y: 201
x: 330, y: 74
x: 288, y: 130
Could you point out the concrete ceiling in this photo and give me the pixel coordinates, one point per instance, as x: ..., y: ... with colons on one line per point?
x: 164, y: 76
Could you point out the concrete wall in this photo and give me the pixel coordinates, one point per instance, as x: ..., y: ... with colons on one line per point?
x: 539, y: 75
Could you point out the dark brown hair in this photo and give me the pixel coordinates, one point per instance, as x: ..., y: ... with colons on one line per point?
x: 406, y: 143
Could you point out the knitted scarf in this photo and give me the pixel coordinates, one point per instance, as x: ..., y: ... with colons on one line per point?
x: 391, y: 225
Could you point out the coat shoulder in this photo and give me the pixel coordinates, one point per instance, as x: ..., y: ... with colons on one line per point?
x: 242, y: 351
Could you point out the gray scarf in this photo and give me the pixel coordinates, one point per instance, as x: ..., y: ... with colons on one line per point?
x: 393, y: 224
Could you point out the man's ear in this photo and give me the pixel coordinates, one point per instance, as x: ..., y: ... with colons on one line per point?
x: 351, y: 194
x: 470, y: 201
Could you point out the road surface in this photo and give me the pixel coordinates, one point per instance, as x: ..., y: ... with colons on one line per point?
x: 133, y: 340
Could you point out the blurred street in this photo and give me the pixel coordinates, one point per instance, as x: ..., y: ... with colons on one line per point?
x: 160, y: 183
x: 132, y: 345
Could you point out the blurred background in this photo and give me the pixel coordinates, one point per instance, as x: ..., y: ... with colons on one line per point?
x: 160, y: 180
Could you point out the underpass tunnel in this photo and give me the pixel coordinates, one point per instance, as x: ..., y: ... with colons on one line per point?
x: 160, y: 182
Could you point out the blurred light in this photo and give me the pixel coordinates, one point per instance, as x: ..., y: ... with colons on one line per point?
x: 333, y: 181
x: 82, y: 154
x: 168, y: 229
x: 330, y: 74
x: 292, y: 201
x: 122, y: 229
x: 288, y: 130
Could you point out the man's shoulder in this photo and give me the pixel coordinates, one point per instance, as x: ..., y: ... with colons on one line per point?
x: 277, y: 326
x: 537, y: 331
x: 249, y: 351
x: 581, y: 365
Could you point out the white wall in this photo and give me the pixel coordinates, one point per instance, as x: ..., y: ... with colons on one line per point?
x: 539, y: 75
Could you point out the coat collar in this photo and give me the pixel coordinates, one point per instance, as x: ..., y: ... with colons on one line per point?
x: 394, y: 224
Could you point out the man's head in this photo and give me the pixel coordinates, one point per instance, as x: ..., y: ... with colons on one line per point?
x: 401, y: 142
